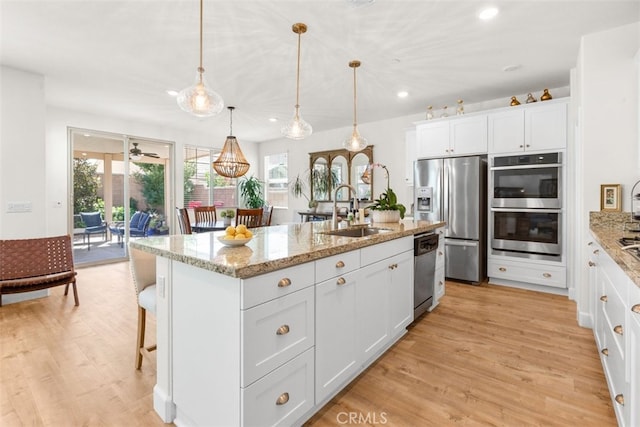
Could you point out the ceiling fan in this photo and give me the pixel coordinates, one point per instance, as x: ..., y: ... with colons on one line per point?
x: 136, y: 154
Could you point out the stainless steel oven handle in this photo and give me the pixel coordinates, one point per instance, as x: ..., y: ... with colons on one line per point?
x: 541, y: 166
x: 451, y: 242
x: 556, y: 211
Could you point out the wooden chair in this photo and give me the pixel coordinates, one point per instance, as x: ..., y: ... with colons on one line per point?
x: 249, y: 217
x: 143, y: 271
x: 183, y: 220
x: 205, y: 214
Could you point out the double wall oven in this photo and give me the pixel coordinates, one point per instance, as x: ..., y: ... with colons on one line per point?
x: 526, y: 205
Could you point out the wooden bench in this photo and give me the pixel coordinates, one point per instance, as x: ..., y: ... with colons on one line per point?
x: 34, y: 264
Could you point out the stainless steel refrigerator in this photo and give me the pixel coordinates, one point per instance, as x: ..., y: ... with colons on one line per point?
x: 454, y: 190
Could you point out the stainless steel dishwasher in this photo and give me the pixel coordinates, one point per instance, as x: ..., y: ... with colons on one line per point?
x: 424, y: 271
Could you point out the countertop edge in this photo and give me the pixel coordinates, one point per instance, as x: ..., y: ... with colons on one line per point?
x: 607, y: 238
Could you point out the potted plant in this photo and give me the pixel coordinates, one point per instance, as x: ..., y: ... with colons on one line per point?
x: 227, y: 215
x: 298, y: 187
x: 251, y: 192
x: 386, y: 208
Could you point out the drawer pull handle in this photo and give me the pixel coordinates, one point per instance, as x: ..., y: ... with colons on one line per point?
x: 636, y: 308
x: 547, y: 275
x: 283, y: 283
x: 618, y: 329
x: 590, y: 243
x: 620, y: 399
x: 596, y: 251
x: 605, y: 351
x: 603, y: 298
x: 340, y: 281
x: 393, y: 266
x: 440, y: 253
x: 283, y: 330
x: 502, y: 269
x: 282, y: 399
x: 440, y: 283
x: 340, y: 264
x: 592, y: 264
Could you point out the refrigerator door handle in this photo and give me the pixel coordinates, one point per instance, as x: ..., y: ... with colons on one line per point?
x: 468, y: 243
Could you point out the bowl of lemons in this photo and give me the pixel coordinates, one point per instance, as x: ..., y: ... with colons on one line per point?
x: 236, y: 236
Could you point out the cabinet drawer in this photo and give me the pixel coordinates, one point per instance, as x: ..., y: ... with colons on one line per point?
x: 613, y: 363
x: 281, y: 397
x: 375, y: 253
x: 336, y: 265
x: 439, y: 284
x: 547, y: 275
x: 276, y: 331
x: 259, y: 289
x: 614, y: 311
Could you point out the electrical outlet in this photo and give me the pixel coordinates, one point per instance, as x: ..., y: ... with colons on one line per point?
x: 160, y: 286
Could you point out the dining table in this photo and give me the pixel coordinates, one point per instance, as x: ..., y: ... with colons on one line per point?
x: 200, y: 227
x: 305, y: 216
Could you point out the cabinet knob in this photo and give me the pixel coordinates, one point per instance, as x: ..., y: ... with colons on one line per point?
x: 620, y: 399
x: 521, y: 146
x: 592, y: 264
x: 283, y: 330
x: 340, y: 264
x: 603, y: 298
x: 590, y: 243
x: 440, y: 283
x: 340, y: 281
x: 393, y: 266
x: 502, y: 269
x: 605, y: 351
x: 440, y: 253
x: 618, y: 329
x: 528, y: 145
x: 636, y: 308
x: 546, y: 275
x: 282, y: 399
x: 596, y: 251
x: 283, y: 283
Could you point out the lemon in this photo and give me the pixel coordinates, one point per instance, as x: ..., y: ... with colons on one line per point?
x: 239, y: 236
x: 228, y: 237
x: 230, y: 230
x: 241, y: 228
x: 248, y: 234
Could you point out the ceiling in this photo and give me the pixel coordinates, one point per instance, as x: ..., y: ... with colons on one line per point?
x: 118, y: 58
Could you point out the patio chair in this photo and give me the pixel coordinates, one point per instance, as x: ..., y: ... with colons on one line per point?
x: 93, y: 225
x: 138, y: 226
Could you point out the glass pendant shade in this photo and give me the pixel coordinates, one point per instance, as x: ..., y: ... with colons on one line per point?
x: 297, y: 127
x: 355, y: 142
x: 231, y: 162
x: 199, y: 100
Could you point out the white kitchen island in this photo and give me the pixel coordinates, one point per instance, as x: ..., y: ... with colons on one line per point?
x: 267, y: 333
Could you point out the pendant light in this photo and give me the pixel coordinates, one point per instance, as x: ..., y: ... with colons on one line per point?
x: 231, y: 162
x: 198, y: 99
x: 354, y: 142
x: 297, y: 128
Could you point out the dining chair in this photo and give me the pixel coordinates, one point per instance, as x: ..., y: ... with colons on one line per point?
x: 205, y: 214
x: 183, y: 220
x: 143, y: 271
x: 249, y: 217
x: 266, y: 215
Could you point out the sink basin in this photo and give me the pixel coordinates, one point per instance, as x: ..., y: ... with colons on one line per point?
x: 356, y: 232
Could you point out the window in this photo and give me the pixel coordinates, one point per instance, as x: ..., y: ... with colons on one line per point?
x: 202, y: 185
x: 276, y: 178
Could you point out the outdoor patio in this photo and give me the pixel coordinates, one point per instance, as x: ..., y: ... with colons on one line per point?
x: 101, y: 250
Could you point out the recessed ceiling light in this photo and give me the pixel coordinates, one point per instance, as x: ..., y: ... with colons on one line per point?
x: 172, y: 92
x: 273, y: 119
x: 403, y: 94
x: 510, y: 68
x: 488, y: 13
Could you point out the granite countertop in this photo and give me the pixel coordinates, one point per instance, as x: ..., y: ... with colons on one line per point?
x: 272, y: 248
x: 607, y: 229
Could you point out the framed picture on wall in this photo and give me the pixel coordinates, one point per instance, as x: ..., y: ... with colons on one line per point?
x: 610, y: 198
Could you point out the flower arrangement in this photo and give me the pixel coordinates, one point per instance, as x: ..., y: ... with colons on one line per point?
x: 388, y: 200
x: 227, y: 213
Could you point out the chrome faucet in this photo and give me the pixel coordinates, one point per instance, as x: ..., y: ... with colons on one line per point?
x: 335, y: 202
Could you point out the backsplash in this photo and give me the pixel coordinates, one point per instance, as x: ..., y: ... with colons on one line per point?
x: 609, y: 219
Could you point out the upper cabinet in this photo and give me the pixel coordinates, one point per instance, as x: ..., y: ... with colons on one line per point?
x: 455, y: 136
x: 538, y: 127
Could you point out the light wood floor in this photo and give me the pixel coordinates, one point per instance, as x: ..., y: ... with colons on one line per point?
x: 486, y: 356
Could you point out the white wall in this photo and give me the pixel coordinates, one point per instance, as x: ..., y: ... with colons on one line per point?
x: 607, y: 143
x: 22, y: 153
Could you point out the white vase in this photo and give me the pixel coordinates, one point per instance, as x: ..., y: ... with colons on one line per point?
x: 385, y: 216
x: 226, y: 221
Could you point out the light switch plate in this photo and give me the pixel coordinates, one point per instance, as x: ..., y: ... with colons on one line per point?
x: 16, y: 207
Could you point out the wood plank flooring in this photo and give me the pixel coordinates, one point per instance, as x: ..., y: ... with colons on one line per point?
x: 487, y: 355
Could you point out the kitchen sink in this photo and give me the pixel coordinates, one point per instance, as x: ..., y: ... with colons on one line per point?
x: 356, y: 232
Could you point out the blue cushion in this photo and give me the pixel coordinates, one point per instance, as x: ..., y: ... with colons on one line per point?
x: 135, y: 219
x: 91, y: 219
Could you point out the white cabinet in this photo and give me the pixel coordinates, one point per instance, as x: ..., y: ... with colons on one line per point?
x: 633, y: 358
x: 373, y: 309
x: 336, y: 352
x: 546, y: 273
x: 439, y: 283
x: 456, y: 136
x: 400, y: 294
x: 532, y: 127
x: 410, y: 155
